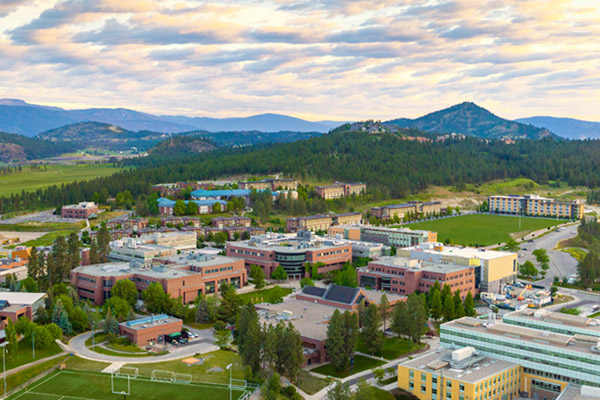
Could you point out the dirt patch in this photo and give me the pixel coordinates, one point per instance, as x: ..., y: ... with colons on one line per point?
x: 23, y: 236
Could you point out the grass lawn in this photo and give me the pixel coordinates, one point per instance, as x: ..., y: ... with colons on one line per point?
x: 14, y: 380
x: 131, y: 348
x: 198, y: 325
x: 310, y: 384
x: 43, y: 226
x: 85, y: 365
x: 576, y: 252
x: 107, y: 352
x: 361, y: 363
x: 270, y: 295
x: 200, y: 372
x: 30, y: 180
x: 482, y: 229
x: 78, y: 385
x: 99, y: 337
x: 380, y: 394
x: 24, y: 354
x: 393, y: 347
x: 105, y: 216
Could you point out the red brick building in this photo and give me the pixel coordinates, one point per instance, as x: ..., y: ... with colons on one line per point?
x: 80, y: 211
x: 405, y: 276
x: 151, y: 329
x: 14, y: 305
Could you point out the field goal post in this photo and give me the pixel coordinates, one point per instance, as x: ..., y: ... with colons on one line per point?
x: 162, y: 376
x: 238, y: 384
x: 116, y: 387
x: 182, y: 378
x: 130, y: 372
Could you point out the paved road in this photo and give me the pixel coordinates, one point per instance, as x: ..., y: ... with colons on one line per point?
x: 561, y: 264
x: 201, y: 345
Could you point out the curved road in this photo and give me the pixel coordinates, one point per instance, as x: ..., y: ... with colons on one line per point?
x: 198, y: 346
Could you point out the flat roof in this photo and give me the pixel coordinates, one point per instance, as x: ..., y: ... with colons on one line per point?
x: 198, y: 259
x: 459, y: 251
x: 21, y: 297
x: 150, y: 322
x: 417, y: 265
x: 435, y: 362
x: 559, y: 318
x: 285, y: 243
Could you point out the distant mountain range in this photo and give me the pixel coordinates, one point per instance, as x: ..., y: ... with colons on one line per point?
x: 566, y: 127
x: 470, y: 119
x: 17, y: 116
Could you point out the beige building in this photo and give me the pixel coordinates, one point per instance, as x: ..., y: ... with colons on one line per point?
x: 272, y: 184
x: 339, y: 189
x: 400, y: 210
x: 535, y: 205
x: 311, y: 223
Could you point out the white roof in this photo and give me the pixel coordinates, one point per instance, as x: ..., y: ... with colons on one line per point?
x: 22, y: 297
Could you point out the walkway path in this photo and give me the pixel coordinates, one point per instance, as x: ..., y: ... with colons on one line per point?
x: 77, y: 346
x: 32, y: 364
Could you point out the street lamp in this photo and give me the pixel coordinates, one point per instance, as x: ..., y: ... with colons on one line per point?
x: 228, y: 367
x: 3, y: 345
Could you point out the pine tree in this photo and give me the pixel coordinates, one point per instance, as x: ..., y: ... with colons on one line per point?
x: 459, y: 309
x: 449, y: 310
x: 436, y: 305
x: 110, y: 323
x: 249, y: 338
x: 416, y: 316
x: 33, y: 264
x: 74, y: 255
x: 336, y: 350
x: 94, y: 254
x: 202, y: 312
x: 60, y: 252
x: 400, y: 319
x: 469, y: 305
x: 60, y: 317
x: 103, y: 242
x: 384, y: 309
x: 371, y: 335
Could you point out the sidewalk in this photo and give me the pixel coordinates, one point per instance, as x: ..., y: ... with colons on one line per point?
x: 32, y: 364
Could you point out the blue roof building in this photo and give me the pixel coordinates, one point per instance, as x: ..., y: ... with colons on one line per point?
x: 165, y: 206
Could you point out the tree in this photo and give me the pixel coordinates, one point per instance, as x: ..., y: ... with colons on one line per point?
x: 449, y: 309
x: 400, y: 319
x: 223, y: 338
x: 258, y: 276
x: 589, y: 269
x: 179, y: 208
x: 363, y: 391
x: 384, y: 309
x: 459, y: 309
x: 339, y: 391
x: 155, y: 298
x: 94, y: 254
x: 528, y: 269
x: 416, y: 316
x: 469, y: 305
x: 370, y: 334
x: 203, y: 312
x: 541, y: 256
x: 436, y: 307
x: 55, y: 331
x: 335, y: 342
x: 60, y: 317
x: 379, y: 374
x: 191, y: 208
x: 126, y: 290
x: 249, y: 337
x: 34, y: 266
x: 43, y: 337
x: 286, y: 351
x: 119, y: 307
x: 346, y: 277
x: 103, y: 242
x: 74, y: 255
x: 11, y: 337
x: 61, y: 260
x: 220, y: 238
x: 279, y: 274
x: 110, y: 323
x: 78, y: 319
x: 230, y: 303
x: 216, y: 208
x: 306, y: 282
x: 29, y: 285
x: 512, y: 245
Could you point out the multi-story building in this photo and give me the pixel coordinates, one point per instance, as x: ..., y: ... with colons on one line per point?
x: 321, y: 222
x: 350, y: 232
x: 461, y: 374
x: 405, y: 276
x: 549, y: 360
x: 202, y: 194
x: 397, y: 237
x: 146, y: 248
x: 223, y: 222
x: 413, y: 207
x: 347, y: 218
x: 273, y: 184
x: 181, y: 275
x: 291, y: 253
x: 492, y: 268
x: 339, y: 189
x: 81, y: 210
x: 205, y: 206
x: 14, y: 305
x: 15, y: 267
x: 133, y: 224
x: 535, y: 205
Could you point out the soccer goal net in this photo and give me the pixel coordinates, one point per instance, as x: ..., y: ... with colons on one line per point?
x: 182, y: 378
x: 239, y: 384
x: 120, y: 384
x: 162, y: 376
x: 130, y: 372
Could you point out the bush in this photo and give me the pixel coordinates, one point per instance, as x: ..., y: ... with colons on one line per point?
x: 43, y: 337
x: 219, y: 325
x: 55, y: 331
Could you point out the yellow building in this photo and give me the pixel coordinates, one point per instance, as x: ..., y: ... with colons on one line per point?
x: 461, y: 374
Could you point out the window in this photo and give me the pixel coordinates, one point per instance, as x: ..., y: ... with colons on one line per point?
x: 423, y: 389
x: 461, y: 387
x: 423, y: 377
x: 449, y: 384
x: 411, y: 373
x: 411, y: 385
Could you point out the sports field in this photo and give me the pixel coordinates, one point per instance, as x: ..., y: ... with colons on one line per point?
x: 32, y: 179
x: 482, y: 229
x: 80, y: 385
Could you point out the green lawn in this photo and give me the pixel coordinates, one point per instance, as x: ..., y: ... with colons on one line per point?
x: 85, y: 365
x: 393, y: 347
x: 30, y: 180
x: 14, y: 380
x: 380, y: 394
x: 215, y: 360
x: 107, y: 352
x: 310, y: 384
x: 43, y: 226
x: 576, y: 252
x: 361, y: 363
x: 78, y: 385
x: 270, y: 295
x: 24, y: 354
x: 46, y: 240
x: 482, y: 229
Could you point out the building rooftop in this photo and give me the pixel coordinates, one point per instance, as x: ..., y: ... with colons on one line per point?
x: 23, y: 298
x: 393, y: 230
x: 458, y: 251
x: 148, y: 322
x: 288, y: 243
x: 221, y: 193
x: 84, y: 204
x: 415, y: 264
x: 164, y: 202
x: 472, y: 369
x: 559, y: 318
x: 577, y: 392
x: 347, y: 295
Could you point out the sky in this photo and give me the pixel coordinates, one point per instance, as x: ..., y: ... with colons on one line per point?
x: 314, y: 59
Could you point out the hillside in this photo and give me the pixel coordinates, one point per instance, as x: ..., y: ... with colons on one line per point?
x: 568, y: 128
x: 470, y: 119
x: 97, y: 134
x: 30, y: 119
x: 247, y: 138
x: 181, y: 145
x: 18, y: 148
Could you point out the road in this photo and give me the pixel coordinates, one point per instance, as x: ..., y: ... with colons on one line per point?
x: 561, y: 264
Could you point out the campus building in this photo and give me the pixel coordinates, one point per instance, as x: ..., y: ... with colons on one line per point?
x: 224, y: 195
x: 182, y: 275
x: 81, y: 210
x: 224, y: 222
x: 339, y: 189
x: 400, y: 210
x: 321, y: 222
x: 549, y: 360
x: 405, y: 276
x: 310, y: 311
x: 535, y: 205
x: 14, y: 305
x: 146, y: 248
x: 396, y: 237
x: 492, y: 268
x: 150, y: 330
x: 16, y: 267
x: 272, y: 184
x: 461, y: 374
x: 205, y: 206
x: 291, y: 252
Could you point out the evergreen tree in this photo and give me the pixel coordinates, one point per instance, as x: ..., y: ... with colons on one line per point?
x: 74, y: 255
x: 371, y: 334
x: 249, y: 338
x: 449, y: 310
x: 60, y: 252
x: 336, y: 346
x: 400, y: 319
x: 436, y: 305
x: 384, y: 309
x: 191, y: 208
x: 203, y: 312
x: 10, y: 333
x: 110, y: 323
x: 417, y: 316
x: 60, y: 317
x: 230, y: 303
x: 258, y: 276
x: 103, y: 242
x: 459, y: 309
x: 33, y: 264
x: 469, y: 305
x: 94, y: 254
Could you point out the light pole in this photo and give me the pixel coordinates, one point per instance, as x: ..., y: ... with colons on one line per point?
x: 3, y: 345
x: 33, y: 343
x: 229, y: 367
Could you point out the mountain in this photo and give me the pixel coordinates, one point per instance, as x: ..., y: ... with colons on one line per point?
x: 19, y: 148
x: 182, y: 145
x: 29, y: 119
x: 98, y: 134
x: 470, y: 119
x: 566, y: 127
x: 262, y: 122
x: 248, y: 138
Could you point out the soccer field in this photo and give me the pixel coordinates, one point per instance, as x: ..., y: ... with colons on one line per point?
x: 80, y: 385
x: 482, y: 229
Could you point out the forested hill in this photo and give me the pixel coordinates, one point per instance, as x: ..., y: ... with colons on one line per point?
x: 18, y: 148
x: 470, y: 119
x: 391, y: 165
x: 181, y: 145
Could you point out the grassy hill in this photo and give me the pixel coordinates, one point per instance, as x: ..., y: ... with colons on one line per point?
x: 19, y: 148
x: 470, y: 119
